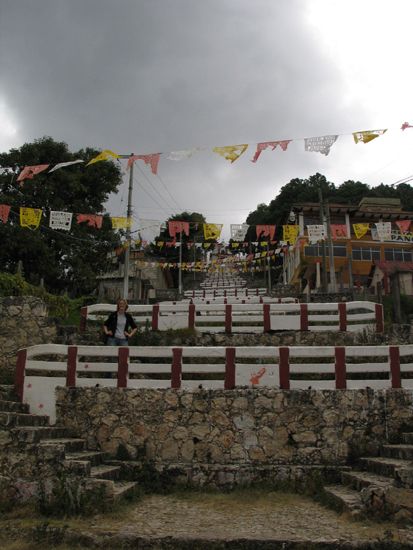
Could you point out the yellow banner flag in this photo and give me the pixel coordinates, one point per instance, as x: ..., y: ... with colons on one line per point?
x: 30, y: 217
x: 360, y: 229
x: 234, y: 245
x: 290, y: 233
x: 212, y: 230
x: 121, y: 223
x: 104, y: 155
x: 368, y: 135
x: 231, y: 152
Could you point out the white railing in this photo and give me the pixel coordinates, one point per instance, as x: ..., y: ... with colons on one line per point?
x: 40, y: 369
x: 249, y: 318
x: 230, y: 291
x: 235, y: 300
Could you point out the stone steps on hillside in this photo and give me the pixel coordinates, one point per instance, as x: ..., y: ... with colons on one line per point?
x: 359, y: 480
x: 35, y: 434
x: 403, y: 451
x: 69, y: 444
x: 13, y: 419
x: 344, y: 499
x: 7, y: 393
x: 13, y: 406
x: 104, y: 471
x: 384, y: 466
x: 407, y: 437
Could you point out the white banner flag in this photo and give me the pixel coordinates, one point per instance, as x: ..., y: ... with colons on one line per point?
x: 60, y: 220
x: 182, y: 155
x: 383, y: 231
x: 316, y: 233
x: 238, y: 231
x: 320, y: 144
x: 64, y: 164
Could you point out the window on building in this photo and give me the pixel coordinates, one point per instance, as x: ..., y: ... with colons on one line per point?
x: 365, y: 253
x: 398, y: 255
x: 317, y: 250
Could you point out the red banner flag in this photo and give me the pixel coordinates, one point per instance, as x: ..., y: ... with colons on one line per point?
x: 4, y: 212
x: 152, y: 160
x: 338, y: 231
x: 403, y: 225
x: 266, y: 231
x: 29, y: 172
x: 178, y: 227
x: 91, y: 219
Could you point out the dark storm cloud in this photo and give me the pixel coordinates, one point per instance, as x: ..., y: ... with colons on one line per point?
x: 159, y: 75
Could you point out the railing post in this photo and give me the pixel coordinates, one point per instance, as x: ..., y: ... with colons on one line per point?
x: 155, y: 317
x: 284, y: 366
x: 235, y: 291
x: 20, y: 373
x: 340, y: 367
x: 229, y: 369
x: 83, y: 318
x: 228, y: 318
x: 123, y: 366
x: 342, y: 316
x: 266, y: 317
x: 191, y: 316
x: 246, y: 292
x: 379, y: 318
x: 256, y: 291
x: 71, y: 366
x: 176, y: 368
x: 303, y: 317
x: 394, y: 355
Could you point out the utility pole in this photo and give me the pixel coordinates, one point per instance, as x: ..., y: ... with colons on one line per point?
x: 268, y: 266
x: 330, y: 251
x: 323, y: 244
x: 180, y: 265
x: 128, y: 233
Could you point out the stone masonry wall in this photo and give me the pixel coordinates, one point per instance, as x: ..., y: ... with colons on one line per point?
x: 24, y: 322
x: 242, y: 427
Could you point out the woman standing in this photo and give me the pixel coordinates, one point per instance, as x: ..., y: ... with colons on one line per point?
x: 119, y: 326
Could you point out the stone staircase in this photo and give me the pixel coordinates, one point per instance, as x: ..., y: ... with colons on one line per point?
x: 378, y: 486
x: 22, y: 433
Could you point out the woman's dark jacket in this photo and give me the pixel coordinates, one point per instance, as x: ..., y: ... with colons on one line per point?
x: 112, y: 321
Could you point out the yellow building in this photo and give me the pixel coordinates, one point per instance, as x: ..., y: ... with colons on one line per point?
x: 358, y: 262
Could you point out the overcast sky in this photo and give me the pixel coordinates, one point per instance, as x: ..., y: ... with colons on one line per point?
x: 148, y: 76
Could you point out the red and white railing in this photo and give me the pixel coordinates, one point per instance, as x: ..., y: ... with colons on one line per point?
x: 249, y: 318
x: 235, y: 300
x: 40, y: 369
x: 230, y: 291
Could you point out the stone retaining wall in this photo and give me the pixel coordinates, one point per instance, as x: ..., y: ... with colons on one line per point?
x: 24, y: 322
x: 244, y: 428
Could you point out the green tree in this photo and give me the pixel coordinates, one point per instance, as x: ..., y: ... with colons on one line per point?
x: 66, y: 261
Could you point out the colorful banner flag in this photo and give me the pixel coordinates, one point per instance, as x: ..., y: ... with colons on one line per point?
x: 212, y: 230
x: 265, y: 231
x: 238, y: 231
x: 152, y: 160
x: 320, y: 144
x: 406, y: 125
x: 182, y: 155
x: 360, y: 229
x: 290, y: 233
x: 367, y: 135
x: 29, y: 172
x: 316, y: 233
x: 383, y: 231
x: 231, y: 152
x: 176, y: 227
x: 338, y: 231
x: 30, y: 217
x: 93, y: 220
x: 403, y: 225
x: 121, y: 223
x: 104, y: 155
x: 4, y: 212
x: 64, y: 164
x: 273, y: 144
x: 60, y: 220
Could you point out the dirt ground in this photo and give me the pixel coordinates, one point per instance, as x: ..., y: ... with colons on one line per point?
x: 248, y: 514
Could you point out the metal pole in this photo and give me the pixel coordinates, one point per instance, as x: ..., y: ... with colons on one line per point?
x: 323, y: 244
x: 330, y: 251
x: 268, y: 267
x: 128, y: 236
x: 194, y: 257
x: 180, y: 265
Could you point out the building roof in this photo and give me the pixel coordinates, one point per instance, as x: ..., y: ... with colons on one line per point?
x: 386, y: 209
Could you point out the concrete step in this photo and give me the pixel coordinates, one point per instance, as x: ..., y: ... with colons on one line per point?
x: 94, y: 457
x: 13, y: 406
x: 34, y: 434
x: 78, y: 467
x: 13, y: 419
x: 344, y: 499
x: 104, y: 471
x: 358, y: 480
x: 403, y: 451
x: 384, y: 466
x: 407, y: 438
x: 124, y: 490
x: 70, y: 444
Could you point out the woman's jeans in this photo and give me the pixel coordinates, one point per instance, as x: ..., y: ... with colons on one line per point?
x: 112, y: 341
